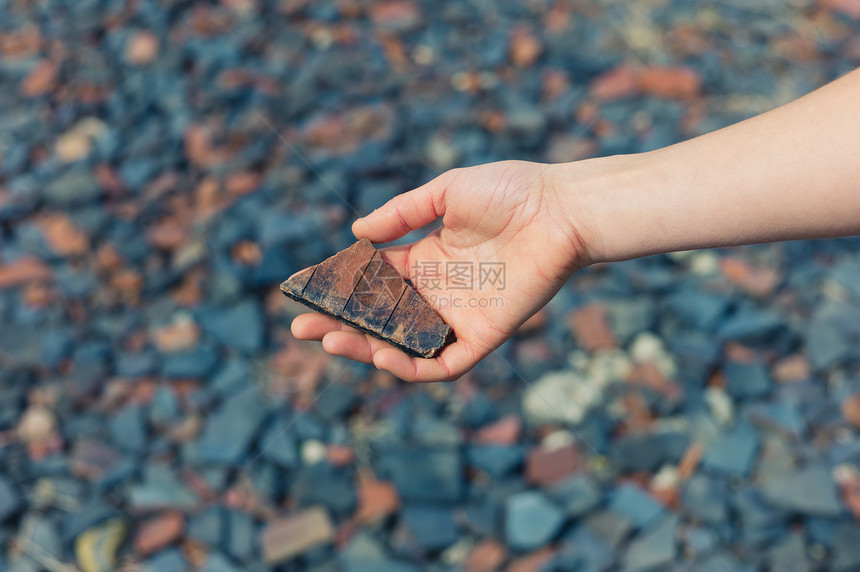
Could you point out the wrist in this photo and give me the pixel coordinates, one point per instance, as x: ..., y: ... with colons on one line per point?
x: 606, y: 200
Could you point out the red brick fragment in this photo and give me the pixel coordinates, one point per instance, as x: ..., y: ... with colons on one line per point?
x: 851, y: 409
x: 618, y: 83
x: 525, y: 47
x: 487, y: 556
x: 376, y: 500
x: 159, y: 532
x: 548, y: 467
x: 40, y: 80
x: 670, y: 82
x: 590, y: 325
x: 505, y: 431
x: 22, y: 271
x: 358, y: 288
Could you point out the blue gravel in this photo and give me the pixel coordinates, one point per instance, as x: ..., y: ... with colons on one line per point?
x: 196, y: 154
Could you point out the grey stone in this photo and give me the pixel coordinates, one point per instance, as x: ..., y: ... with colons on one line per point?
x: 128, y: 429
x: 160, y: 489
x: 531, y: 520
x: 496, y: 460
x: 610, y: 527
x: 577, y: 495
x: 230, y: 429
x: 789, y: 555
x: 704, y: 498
x: 73, y: 187
x: 433, y: 527
x: 424, y: 474
x: 732, y: 453
x: 240, y: 327
x: 655, y: 547
x: 637, y: 505
x: 846, y: 548
x: 170, y: 560
x: 809, y: 490
x: 747, y: 380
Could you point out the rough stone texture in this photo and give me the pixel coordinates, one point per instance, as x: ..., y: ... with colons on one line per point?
x: 359, y: 288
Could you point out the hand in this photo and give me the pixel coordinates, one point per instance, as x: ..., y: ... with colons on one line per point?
x: 509, y: 212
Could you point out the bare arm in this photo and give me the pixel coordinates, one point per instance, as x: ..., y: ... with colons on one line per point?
x: 791, y: 173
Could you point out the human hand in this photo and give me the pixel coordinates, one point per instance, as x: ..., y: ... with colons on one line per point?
x: 510, y: 212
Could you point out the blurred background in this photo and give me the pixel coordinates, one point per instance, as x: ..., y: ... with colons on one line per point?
x: 164, y: 165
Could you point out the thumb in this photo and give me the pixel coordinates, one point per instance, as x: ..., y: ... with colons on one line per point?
x: 404, y: 213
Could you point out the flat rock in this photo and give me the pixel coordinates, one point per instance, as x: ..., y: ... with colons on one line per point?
x: 732, y: 453
x: 357, y: 287
x: 747, y: 380
x: 287, y: 537
x: 239, y: 327
x: 809, y: 491
x: 546, y: 467
x: 637, y: 505
x: 531, y: 520
x: 432, y: 526
x: 230, y: 430
x: 704, y: 498
x: 577, y: 495
x: 156, y: 533
x: 425, y: 474
x: 656, y: 547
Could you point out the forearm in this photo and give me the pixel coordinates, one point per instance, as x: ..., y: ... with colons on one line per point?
x: 791, y: 173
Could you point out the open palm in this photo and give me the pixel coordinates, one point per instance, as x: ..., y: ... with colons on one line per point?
x: 504, y: 249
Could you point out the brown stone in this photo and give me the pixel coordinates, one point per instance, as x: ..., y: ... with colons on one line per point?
x: 62, y: 236
x: 757, y: 281
x: 548, y: 467
x: 22, y: 271
x: 376, y: 500
x: 487, y: 556
x: 792, y: 368
x: 525, y: 47
x: 618, y: 83
x: 158, y: 532
x: 670, y: 82
x: 357, y: 287
x: 505, y: 431
x: 851, y: 409
x: 531, y: 562
x: 339, y: 455
x: 287, y: 537
x: 40, y: 80
x: 395, y: 14
x: 590, y: 325
x: 142, y: 48
x: 180, y: 335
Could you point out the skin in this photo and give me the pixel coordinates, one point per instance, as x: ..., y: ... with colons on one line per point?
x: 791, y: 173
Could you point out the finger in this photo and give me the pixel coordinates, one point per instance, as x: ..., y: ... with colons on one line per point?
x: 406, y: 212
x: 450, y: 364
x: 353, y: 345
x: 398, y: 257
x: 314, y: 326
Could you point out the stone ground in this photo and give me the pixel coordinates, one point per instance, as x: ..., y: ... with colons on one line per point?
x: 166, y: 164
